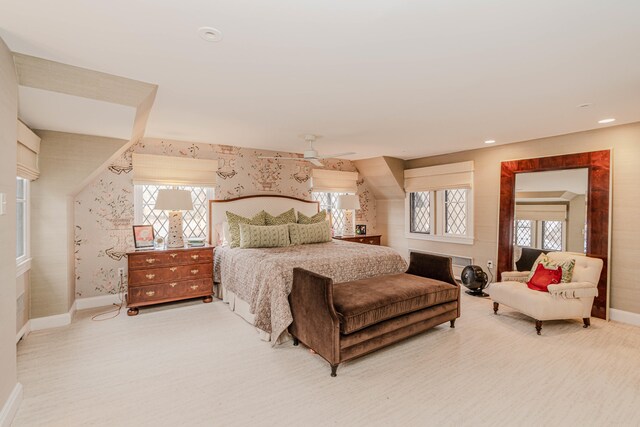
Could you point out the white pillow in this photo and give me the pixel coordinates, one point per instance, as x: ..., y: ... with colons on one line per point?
x: 226, y: 234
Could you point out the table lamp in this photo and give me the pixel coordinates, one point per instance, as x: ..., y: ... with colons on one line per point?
x: 348, y: 203
x: 174, y: 201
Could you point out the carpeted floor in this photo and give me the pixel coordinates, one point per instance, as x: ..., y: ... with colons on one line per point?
x: 196, y: 364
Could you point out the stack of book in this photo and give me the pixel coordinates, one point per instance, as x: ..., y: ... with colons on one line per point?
x: 195, y: 241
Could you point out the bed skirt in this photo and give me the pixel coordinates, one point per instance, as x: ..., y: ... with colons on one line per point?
x: 242, y: 309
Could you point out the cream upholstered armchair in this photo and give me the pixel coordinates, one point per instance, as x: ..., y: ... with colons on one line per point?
x: 563, y: 301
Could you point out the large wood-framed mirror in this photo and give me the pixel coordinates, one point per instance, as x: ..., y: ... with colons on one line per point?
x: 598, y: 166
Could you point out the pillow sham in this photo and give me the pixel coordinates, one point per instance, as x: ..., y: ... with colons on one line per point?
x: 319, y: 217
x: 264, y: 236
x: 550, y: 264
x: 235, y: 220
x: 287, y: 217
x: 302, y: 234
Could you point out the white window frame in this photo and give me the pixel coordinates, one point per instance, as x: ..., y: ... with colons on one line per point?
x: 137, y: 200
x: 23, y: 263
x: 437, y: 219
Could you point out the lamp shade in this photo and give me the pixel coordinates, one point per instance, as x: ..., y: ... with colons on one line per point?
x: 174, y: 200
x: 348, y: 201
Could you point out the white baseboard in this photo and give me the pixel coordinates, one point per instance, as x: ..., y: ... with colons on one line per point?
x: 624, y: 316
x: 55, y: 321
x: 10, y: 408
x: 99, y: 301
x: 24, y: 331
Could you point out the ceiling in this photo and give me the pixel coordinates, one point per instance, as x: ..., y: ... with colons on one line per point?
x: 378, y: 77
x: 43, y: 109
x: 573, y: 180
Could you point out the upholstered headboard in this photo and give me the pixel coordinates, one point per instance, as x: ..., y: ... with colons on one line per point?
x: 248, y: 206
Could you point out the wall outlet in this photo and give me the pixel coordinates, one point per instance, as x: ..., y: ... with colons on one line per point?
x: 489, y: 264
x: 121, y: 272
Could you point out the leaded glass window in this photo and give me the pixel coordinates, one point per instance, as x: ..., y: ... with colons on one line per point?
x: 455, y: 205
x: 524, y: 233
x: 552, y: 235
x: 420, y: 215
x: 329, y: 201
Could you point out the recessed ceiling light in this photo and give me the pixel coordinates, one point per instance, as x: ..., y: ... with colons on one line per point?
x: 490, y: 141
x: 210, y: 34
x: 604, y: 121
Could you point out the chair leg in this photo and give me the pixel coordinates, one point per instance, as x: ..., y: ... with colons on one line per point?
x: 452, y: 323
x: 495, y: 307
x: 587, y: 322
x: 539, y: 326
x: 295, y: 341
x: 334, y: 368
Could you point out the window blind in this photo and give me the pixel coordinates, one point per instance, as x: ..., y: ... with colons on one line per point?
x: 541, y: 212
x: 169, y: 170
x: 332, y: 181
x: 27, y: 153
x: 453, y: 175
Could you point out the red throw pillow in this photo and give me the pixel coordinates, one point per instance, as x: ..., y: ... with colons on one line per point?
x: 542, y: 278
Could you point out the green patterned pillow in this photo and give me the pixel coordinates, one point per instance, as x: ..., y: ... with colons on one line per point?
x: 235, y: 220
x: 287, y: 217
x: 264, y: 236
x: 567, y: 267
x: 302, y: 234
x: 319, y: 217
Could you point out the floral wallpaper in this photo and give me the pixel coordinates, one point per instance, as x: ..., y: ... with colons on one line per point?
x: 104, y: 211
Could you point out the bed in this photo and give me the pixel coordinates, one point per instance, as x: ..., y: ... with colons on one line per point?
x: 256, y: 282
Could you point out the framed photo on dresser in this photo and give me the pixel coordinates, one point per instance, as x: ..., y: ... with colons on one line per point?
x: 143, y: 236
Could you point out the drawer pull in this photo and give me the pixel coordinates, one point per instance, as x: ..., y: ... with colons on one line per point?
x: 173, y: 285
x: 361, y: 240
x: 150, y: 276
x: 151, y: 260
x: 173, y: 255
x: 195, y: 256
x: 371, y: 242
x: 194, y: 287
x: 150, y: 293
x: 194, y: 271
x: 173, y: 269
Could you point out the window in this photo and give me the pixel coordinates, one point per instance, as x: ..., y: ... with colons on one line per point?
x: 22, y: 220
x: 420, y: 220
x: 329, y: 201
x: 524, y: 233
x: 194, y: 222
x: 552, y: 236
x: 442, y: 215
x: 455, y: 212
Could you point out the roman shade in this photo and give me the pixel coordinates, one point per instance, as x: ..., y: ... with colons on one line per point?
x: 168, y: 170
x: 453, y: 175
x: 331, y: 181
x: 541, y: 212
x: 27, y: 153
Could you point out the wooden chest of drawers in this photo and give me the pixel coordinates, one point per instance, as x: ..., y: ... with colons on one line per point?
x: 158, y: 276
x: 369, y: 239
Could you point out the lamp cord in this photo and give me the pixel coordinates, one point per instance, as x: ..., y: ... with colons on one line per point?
x: 116, y: 307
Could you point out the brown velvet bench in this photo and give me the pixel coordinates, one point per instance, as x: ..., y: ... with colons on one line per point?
x: 343, y: 321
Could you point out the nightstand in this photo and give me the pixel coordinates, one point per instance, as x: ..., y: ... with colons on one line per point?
x: 369, y: 239
x: 165, y: 275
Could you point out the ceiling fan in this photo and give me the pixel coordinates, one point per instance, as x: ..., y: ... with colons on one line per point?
x: 310, y: 155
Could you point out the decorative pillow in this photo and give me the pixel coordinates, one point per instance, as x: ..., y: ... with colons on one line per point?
x: 544, y: 277
x: 567, y: 267
x: 302, y: 234
x: 287, y: 217
x: 319, y: 217
x: 235, y: 220
x: 264, y: 236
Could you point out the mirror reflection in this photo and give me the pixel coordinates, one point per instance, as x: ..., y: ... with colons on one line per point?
x: 551, y: 210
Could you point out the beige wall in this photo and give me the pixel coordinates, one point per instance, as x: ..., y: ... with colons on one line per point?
x: 8, y: 141
x: 575, y: 224
x: 65, y: 160
x: 22, y: 305
x: 625, y: 144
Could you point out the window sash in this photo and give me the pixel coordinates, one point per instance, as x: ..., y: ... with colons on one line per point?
x: 328, y: 201
x: 195, y: 222
x: 22, y: 220
x: 420, y: 221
